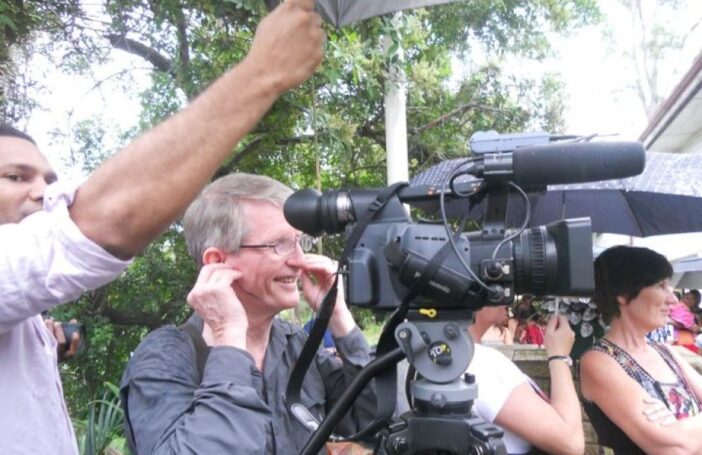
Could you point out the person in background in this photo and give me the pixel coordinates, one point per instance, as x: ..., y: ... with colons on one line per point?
x: 510, y: 399
x: 523, y: 311
x: 641, y: 396
x: 533, y: 332
x: 692, y: 299
x: 684, y: 321
x: 502, y: 331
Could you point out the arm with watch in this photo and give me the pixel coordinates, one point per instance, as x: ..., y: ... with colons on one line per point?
x: 554, y: 425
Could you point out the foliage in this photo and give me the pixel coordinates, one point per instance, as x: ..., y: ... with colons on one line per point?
x: 334, y: 123
x: 659, y: 31
x: 102, y: 428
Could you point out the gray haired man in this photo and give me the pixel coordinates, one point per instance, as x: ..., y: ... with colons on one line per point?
x: 251, y: 265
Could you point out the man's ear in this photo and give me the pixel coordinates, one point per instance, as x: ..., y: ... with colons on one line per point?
x: 622, y: 300
x: 213, y: 255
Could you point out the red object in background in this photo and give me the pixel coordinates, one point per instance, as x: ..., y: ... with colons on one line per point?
x: 533, y: 334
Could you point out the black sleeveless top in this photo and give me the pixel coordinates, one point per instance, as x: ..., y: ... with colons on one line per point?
x: 677, y: 396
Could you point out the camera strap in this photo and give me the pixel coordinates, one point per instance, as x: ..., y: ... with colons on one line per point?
x: 309, y: 350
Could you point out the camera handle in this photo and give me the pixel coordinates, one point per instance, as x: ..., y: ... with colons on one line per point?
x: 441, y: 420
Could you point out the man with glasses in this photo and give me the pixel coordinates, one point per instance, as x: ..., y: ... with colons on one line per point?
x: 252, y: 267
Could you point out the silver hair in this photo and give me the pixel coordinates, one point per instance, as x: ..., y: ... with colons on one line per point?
x: 217, y: 218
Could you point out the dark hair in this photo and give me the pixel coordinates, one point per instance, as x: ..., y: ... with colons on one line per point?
x: 624, y: 271
x: 696, y: 294
x: 9, y: 131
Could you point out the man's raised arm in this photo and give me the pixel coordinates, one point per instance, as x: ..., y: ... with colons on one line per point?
x: 139, y: 192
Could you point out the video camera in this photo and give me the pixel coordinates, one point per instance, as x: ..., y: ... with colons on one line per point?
x: 393, y: 251
x: 436, y: 277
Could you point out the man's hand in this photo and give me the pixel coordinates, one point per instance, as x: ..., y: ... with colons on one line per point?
x: 215, y: 301
x: 65, y: 350
x: 289, y: 43
x: 656, y: 411
x: 317, y: 279
x: 558, y: 336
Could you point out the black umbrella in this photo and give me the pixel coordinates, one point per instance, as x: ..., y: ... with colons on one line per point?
x: 665, y: 199
x: 344, y: 12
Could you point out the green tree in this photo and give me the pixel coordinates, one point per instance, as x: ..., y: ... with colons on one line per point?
x: 332, y: 128
x: 658, y: 31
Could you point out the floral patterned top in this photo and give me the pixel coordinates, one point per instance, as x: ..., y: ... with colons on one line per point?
x: 677, y: 396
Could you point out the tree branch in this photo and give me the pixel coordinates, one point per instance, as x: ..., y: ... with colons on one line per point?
x: 458, y: 111
x: 252, y: 146
x: 183, y: 69
x: 150, y: 320
x: 159, y: 61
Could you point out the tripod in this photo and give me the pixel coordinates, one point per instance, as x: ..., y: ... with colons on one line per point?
x: 438, y: 346
x: 441, y: 420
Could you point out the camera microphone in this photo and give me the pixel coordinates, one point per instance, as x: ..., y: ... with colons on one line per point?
x: 579, y: 162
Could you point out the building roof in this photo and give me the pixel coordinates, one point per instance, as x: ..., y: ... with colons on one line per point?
x: 677, y: 124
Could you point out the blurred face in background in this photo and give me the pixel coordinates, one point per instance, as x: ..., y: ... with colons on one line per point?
x: 689, y: 300
x: 494, y: 315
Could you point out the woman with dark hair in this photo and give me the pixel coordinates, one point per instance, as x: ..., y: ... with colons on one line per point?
x: 641, y: 396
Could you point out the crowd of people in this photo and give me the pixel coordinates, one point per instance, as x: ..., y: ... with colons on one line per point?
x: 526, y: 321
x: 216, y: 384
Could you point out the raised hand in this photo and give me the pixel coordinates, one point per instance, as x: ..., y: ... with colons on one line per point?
x: 215, y: 301
x: 558, y: 336
x: 289, y: 43
x: 317, y: 279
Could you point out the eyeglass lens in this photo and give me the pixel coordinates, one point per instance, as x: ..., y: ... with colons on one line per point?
x: 286, y: 245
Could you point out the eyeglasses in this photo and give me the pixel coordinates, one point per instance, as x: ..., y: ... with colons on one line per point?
x: 285, y: 246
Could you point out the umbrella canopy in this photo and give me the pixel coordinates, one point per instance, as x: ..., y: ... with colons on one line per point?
x: 344, y: 12
x: 665, y: 199
x: 687, y: 273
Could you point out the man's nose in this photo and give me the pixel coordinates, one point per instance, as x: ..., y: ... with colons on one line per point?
x: 297, y: 257
x: 36, y: 192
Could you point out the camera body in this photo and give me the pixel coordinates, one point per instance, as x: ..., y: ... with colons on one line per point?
x: 393, y: 252
x: 391, y: 255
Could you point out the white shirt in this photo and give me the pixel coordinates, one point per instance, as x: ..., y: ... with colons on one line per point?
x: 44, y: 261
x: 496, y: 377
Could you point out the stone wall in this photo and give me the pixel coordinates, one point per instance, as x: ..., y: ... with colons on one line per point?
x: 532, y: 361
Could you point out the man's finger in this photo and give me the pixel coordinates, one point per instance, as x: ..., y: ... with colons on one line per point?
x: 225, y: 276
x: 58, y: 333
x: 552, y: 322
x: 208, y: 270
x: 49, y: 324
x: 75, y: 344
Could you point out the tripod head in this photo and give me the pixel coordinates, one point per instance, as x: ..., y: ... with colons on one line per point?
x: 438, y: 346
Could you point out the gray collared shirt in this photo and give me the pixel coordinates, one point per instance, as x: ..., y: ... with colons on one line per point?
x: 235, y: 408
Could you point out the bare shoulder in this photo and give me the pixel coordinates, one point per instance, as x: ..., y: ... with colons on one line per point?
x: 598, y: 372
x: 597, y: 363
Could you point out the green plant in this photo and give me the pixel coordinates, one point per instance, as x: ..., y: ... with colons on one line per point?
x: 101, y: 431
